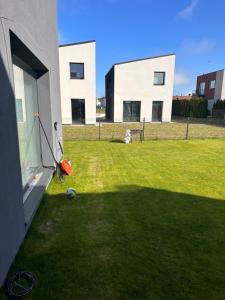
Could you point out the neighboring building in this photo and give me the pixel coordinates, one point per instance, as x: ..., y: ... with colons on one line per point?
x: 101, y: 102
x: 180, y: 98
x: 141, y: 89
x: 211, y: 86
x: 78, y: 82
x: 29, y: 84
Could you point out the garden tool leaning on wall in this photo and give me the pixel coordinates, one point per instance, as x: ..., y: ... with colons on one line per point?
x: 63, y: 167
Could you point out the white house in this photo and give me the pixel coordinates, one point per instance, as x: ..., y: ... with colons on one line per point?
x: 77, y: 63
x: 141, y: 89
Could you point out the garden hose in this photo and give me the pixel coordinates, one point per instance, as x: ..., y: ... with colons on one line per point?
x: 20, y: 284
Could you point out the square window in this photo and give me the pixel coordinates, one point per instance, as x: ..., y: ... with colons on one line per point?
x: 212, y: 84
x: 76, y: 70
x: 159, y: 78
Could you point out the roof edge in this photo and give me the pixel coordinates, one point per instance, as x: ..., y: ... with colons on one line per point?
x: 145, y: 58
x: 210, y: 72
x: 77, y: 43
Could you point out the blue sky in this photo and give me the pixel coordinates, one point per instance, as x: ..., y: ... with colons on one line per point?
x: 130, y: 29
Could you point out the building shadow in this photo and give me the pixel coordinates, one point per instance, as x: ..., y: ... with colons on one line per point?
x: 131, y: 243
x: 200, y: 121
x: 117, y: 141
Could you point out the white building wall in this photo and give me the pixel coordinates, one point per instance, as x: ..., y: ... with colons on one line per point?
x: 219, y: 88
x: 223, y: 87
x: 78, y: 88
x: 134, y: 81
x: 221, y: 76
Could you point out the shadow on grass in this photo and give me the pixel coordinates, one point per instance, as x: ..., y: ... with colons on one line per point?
x: 200, y: 121
x: 131, y: 243
x: 117, y: 141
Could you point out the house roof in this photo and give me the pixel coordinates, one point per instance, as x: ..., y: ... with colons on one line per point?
x: 77, y: 43
x: 139, y: 59
x: 205, y: 74
x: 145, y: 58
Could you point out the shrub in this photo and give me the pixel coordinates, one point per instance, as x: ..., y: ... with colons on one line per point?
x: 197, y: 107
x: 219, y: 104
x: 180, y: 108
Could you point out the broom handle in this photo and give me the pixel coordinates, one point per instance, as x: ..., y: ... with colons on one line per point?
x: 46, y: 137
x: 60, y: 145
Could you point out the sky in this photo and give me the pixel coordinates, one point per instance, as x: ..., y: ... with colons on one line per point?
x: 130, y: 29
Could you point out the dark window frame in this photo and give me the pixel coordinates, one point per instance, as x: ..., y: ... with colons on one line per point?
x: 164, y: 78
x: 74, y: 78
x: 80, y: 101
x: 214, y: 80
x: 162, y: 110
x: 201, y: 91
x: 132, y: 102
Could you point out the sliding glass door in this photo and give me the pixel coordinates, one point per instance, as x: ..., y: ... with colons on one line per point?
x: 131, y: 111
x: 27, y: 124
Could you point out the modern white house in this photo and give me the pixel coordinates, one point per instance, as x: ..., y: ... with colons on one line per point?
x: 211, y: 86
x: 141, y: 89
x: 77, y: 64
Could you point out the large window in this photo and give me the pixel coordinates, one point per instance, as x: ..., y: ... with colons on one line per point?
x: 27, y: 124
x: 131, y: 111
x: 202, y: 88
x: 19, y: 110
x: 76, y: 70
x: 159, y: 78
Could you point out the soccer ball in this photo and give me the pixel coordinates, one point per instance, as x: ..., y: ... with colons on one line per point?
x: 71, y: 193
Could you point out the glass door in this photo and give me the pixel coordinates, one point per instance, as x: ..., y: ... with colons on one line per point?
x: 136, y: 107
x: 78, y: 110
x: 131, y: 111
x: 127, y: 115
x: 157, y: 108
x: 27, y: 124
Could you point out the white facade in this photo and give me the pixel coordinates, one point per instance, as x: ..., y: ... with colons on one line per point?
x: 220, y: 85
x: 74, y: 90
x: 219, y: 92
x: 135, y: 81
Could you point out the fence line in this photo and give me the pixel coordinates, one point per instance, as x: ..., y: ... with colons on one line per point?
x: 182, y: 128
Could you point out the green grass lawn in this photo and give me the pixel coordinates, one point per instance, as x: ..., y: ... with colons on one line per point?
x: 198, y: 129
x: 149, y: 223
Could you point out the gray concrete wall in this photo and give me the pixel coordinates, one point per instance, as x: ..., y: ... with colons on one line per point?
x: 35, y: 24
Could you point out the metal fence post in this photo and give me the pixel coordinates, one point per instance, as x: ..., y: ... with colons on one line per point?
x: 143, y: 137
x: 187, y: 130
x: 99, y: 131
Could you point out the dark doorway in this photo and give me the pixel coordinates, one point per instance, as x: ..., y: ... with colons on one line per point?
x: 131, y: 111
x: 78, y: 110
x: 157, y: 108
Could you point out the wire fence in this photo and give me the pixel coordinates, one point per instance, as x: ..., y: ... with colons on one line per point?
x: 179, y: 128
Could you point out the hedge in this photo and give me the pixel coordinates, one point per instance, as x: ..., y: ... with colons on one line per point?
x: 219, y: 104
x: 197, y: 107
